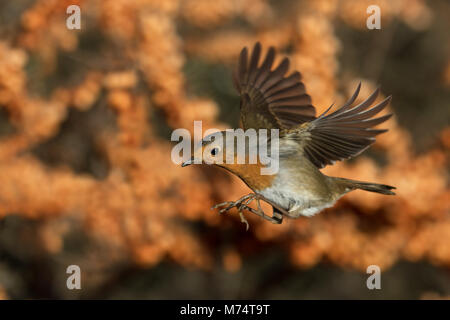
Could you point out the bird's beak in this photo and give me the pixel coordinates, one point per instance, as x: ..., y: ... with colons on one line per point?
x: 188, y: 162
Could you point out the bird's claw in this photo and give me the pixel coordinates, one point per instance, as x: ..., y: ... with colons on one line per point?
x: 243, y: 220
x: 229, y: 205
x: 240, y: 205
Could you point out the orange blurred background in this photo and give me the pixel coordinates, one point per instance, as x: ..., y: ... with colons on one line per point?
x: 87, y: 179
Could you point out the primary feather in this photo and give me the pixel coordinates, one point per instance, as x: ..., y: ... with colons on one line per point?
x: 270, y: 99
x: 343, y: 134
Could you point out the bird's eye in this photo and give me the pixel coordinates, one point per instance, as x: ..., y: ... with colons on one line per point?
x: 214, y: 151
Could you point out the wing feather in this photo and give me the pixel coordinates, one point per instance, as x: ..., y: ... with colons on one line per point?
x: 269, y: 98
x: 342, y: 134
x: 272, y: 99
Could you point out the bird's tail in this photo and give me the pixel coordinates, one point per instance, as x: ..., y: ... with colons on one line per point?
x: 349, y: 185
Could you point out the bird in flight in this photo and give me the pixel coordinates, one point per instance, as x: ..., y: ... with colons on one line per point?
x: 270, y: 99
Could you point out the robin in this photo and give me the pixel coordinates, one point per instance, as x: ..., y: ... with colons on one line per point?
x: 272, y: 100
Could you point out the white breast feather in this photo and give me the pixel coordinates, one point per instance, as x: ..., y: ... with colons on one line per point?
x: 282, y: 193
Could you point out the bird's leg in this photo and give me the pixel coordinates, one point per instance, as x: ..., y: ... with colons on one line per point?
x: 278, y: 211
x: 239, y: 204
x: 231, y: 204
x: 276, y: 218
x: 277, y: 214
x: 243, y: 203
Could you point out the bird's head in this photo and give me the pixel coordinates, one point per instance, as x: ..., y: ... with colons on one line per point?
x: 215, y: 149
x: 237, y: 154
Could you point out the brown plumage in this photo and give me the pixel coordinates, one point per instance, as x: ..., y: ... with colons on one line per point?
x: 271, y: 99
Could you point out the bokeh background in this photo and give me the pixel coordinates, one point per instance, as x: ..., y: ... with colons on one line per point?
x: 86, y: 176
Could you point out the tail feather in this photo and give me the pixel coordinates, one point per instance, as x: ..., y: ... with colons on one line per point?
x: 368, y: 186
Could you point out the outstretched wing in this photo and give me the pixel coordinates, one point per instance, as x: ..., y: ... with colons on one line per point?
x: 342, y: 134
x: 268, y: 98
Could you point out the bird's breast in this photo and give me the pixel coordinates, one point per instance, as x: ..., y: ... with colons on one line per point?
x: 299, y: 189
x: 251, y: 175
